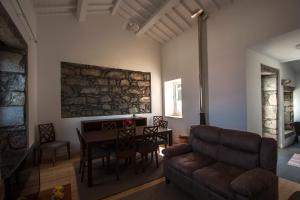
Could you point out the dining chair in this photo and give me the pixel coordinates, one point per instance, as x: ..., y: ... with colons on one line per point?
x: 148, y: 144
x: 162, y: 139
x: 125, y: 147
x: 47, y: 138
x: 97, y: 153
x: 156, y: 120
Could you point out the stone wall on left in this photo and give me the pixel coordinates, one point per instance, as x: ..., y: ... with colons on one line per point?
x: 12, y: 100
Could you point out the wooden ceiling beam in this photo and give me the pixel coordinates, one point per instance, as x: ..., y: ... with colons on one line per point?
x: 152, y: 38
x: 168, y: 37
x: 174, y: 22
x: 116, y: 6
x: 154, y: 18
x: 168, y: 27
x: 182, y: 17
x: 82, y: 6
x: 134, y: 10
x: 153, y: 33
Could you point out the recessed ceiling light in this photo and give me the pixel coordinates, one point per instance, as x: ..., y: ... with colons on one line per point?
x: 298, y: 46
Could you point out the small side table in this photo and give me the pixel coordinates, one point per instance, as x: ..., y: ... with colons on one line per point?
x: 46, y: 194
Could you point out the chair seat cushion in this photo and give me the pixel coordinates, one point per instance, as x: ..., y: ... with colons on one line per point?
x: 217, y: 177
x: 54, y: 144
x: 189, y: 162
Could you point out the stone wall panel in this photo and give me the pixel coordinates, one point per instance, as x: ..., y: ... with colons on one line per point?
x: 103, y: 91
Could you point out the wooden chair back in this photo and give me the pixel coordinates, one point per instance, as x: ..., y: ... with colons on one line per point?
x: 126, y: 140
x: 163, y: 124
x: 150, y: 134
x: 46, y: 133
x: 156, y: 120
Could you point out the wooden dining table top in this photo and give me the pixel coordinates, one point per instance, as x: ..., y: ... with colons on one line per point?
x: 110, y: 135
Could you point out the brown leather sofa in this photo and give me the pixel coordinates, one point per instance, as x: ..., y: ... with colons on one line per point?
x: 224, y: 164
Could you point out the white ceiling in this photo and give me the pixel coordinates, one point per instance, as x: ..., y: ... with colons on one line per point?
x: 282, y: 48
x: 160, y: 20
x: 295, y: 65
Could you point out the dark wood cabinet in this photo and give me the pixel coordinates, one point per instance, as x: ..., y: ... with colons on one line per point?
x: 96, y: 125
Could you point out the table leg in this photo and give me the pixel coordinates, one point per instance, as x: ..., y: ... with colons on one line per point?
x: 170, y: 136
x: 89, y: 165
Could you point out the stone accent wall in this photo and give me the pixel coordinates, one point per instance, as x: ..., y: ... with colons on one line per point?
x: 288, y: 107
x: 269, y: 106
x: 95, y: 91
x: 12, y: 100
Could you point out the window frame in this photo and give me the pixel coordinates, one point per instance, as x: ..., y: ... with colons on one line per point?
x: 173, y: 111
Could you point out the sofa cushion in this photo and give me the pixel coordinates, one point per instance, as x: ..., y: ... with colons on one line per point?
x: 217, y: 177
x: 205, y: 140
x: 189, y: 162
x: 253, y: 182
x: 238, y: 158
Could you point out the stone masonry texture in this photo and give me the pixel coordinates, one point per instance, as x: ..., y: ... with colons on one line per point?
x: 97, y: 91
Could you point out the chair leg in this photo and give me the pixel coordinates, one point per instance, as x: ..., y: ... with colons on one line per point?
x: 53, y: 157
x: 68, y: 149
x: 117, y: 169
x: 156, y: 158
x: 134, y: 164
x: 103, y: 162
x: 167, y: 180
x: 152, y: 156
x: 40, y: 156
x: 80, y: 166
x: 82, y: 172
x: 108, y: 160
x: 143, y: 167
x: 166, y: 146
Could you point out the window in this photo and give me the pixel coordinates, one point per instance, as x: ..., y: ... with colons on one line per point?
x: 173, y: 98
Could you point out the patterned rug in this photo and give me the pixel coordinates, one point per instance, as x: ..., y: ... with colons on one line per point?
x: 295, y: 160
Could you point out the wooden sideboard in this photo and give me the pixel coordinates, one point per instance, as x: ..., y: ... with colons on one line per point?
x: 96, y: 125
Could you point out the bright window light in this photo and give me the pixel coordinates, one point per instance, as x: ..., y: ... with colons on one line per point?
x: 173, y: 98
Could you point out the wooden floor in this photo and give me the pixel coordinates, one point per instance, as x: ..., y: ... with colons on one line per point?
x: 63, y: 173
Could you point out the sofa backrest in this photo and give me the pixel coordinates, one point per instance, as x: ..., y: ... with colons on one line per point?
x: 243, y: 149
x: 205, y: 140
x: 268, y: 154
x: 239, y: 148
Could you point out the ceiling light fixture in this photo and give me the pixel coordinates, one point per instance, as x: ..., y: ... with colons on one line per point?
x: 197, y: 13
x: 298, y: 46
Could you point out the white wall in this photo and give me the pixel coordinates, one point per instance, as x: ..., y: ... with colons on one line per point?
x: 12, y: 9
x: 254, y: 60
x: 230, y: 32
x: 180, y: 60
x: 297, y: 98
x: 100, y: 41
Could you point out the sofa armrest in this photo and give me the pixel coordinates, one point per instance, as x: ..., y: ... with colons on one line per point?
x: 176, y: 150
x: 253, y: 182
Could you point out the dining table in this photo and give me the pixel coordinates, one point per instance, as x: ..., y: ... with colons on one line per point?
x: 99, y: 137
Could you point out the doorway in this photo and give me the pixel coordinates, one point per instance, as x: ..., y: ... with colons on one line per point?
x: 270, y: 105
